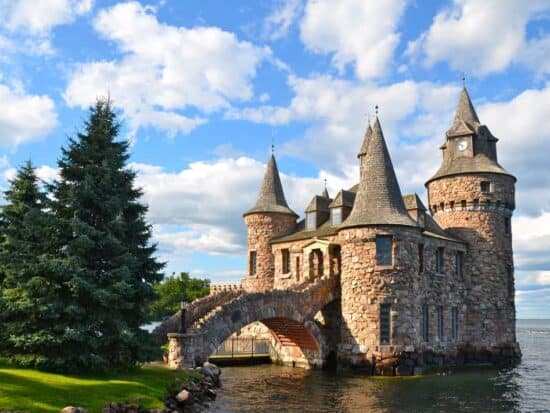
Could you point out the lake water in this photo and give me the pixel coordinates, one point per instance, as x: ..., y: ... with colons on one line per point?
x: 525, y: 388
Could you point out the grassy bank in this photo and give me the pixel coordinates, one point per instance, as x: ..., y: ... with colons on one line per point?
x: 35, y: 391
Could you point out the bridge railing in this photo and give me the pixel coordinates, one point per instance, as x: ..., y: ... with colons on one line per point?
x: 240, y: 347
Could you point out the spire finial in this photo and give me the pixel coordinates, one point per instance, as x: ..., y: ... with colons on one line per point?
x: 368, y: 118
x: 376, y: 110
x: 325, y: 180
x: 464, y: 80
x: 272, y: 142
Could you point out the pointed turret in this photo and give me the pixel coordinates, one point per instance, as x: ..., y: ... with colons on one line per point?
x: 271, y: 197
x: 325, y: 193
x: 469, y: 146
x: 363, y: 150
x: 378, y: 200
x: 465, y: 117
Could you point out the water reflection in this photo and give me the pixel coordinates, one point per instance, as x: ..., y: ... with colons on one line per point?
x: 280, y: 389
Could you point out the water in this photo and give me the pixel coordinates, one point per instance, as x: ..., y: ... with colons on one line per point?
x: 525, y: 388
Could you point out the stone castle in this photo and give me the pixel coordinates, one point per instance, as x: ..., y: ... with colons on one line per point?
x: 375, y: 277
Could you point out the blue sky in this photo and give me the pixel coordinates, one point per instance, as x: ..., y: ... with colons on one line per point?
x: 204, y: 86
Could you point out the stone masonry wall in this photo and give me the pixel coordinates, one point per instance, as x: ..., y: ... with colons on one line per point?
x: 299, y: 263
x: 365, y: 286
x: 482, y: 223
x: 262, y: 227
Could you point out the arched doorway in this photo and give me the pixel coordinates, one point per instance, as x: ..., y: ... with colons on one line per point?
x: 316, y: 264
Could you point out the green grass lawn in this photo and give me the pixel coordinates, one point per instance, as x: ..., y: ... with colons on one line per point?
x: 35, y: 391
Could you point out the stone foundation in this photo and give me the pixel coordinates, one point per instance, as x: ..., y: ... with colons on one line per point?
x: 409, y: 363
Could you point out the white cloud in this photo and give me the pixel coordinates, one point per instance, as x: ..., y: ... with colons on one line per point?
x: 522, y: 126
x: 354, y: 31
x: 278, y: 23
x: 39, y: 17
x: 536, y: 55
x: 24, y: 117
x: 166, y: 69
x: 414, y: 118
x: 195, y: 210
x: 479, y: 36
x: 34, y: 20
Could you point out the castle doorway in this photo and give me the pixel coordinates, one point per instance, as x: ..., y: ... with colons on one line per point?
x: 316, y: 263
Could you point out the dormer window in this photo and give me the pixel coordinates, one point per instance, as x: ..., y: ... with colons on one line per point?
x: 336, y: 216
x: 421, y: 219
x: 311, y: 220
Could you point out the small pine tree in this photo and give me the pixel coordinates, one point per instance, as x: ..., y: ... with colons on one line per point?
x: 33, y: 298
x: 108, y: 241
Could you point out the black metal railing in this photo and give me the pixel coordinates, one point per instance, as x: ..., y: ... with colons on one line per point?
x: 242, y: 347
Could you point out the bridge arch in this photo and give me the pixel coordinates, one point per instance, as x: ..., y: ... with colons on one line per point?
x: 296, y: 308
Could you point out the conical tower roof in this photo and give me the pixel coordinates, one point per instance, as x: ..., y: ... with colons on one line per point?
x: 363, y: 150
x: 271, y: 197
x: 378, y: 200
x: 466, y: 120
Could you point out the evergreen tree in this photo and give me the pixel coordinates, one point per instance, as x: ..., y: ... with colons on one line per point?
x: 108, y: 243
x: 33, y: 298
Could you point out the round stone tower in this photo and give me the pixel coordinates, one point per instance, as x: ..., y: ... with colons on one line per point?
x: 472, y: 197
x: 378, y: 243
x: 269, y: 218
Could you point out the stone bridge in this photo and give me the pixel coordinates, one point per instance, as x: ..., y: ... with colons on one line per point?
x: 298, y: 318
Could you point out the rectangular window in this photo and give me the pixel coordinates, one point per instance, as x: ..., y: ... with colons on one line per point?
x: 252, y: 263
x: 440, y: 323
x: 286, y: 260
x: 384, y: 250
x: 298, y: 269
x: 459, y: 261
x: 439, y: 260
x: 454, y: 323
x: 425, y: 323
x: 311, y: 220
x: 463, y: 204
x: 385, y: 324
x: 485, y: 186
x: 420, y: 258
x: 336, y: 216
x: 507, y: 229
x: 452, y: 205
x: 476, y: 203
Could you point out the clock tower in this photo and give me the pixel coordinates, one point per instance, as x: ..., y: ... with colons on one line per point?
x: 473, y: 197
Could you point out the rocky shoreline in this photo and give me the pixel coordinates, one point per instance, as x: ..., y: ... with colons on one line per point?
x: 190, y: 396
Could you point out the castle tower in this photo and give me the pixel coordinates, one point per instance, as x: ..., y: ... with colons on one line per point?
x: 472, y: 196
x: 377, y: 269
x: 270, y: 217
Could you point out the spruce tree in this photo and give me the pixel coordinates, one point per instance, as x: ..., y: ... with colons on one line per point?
x: 108, y: 243
x: 33, y: 298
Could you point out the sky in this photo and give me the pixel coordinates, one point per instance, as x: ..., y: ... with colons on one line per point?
x: 203, y: 87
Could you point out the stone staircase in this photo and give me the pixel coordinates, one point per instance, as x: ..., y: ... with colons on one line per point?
x: 306, y: 288
x: 196, y: 311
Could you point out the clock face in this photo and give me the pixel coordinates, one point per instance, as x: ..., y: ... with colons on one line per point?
x: 462, y: 144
